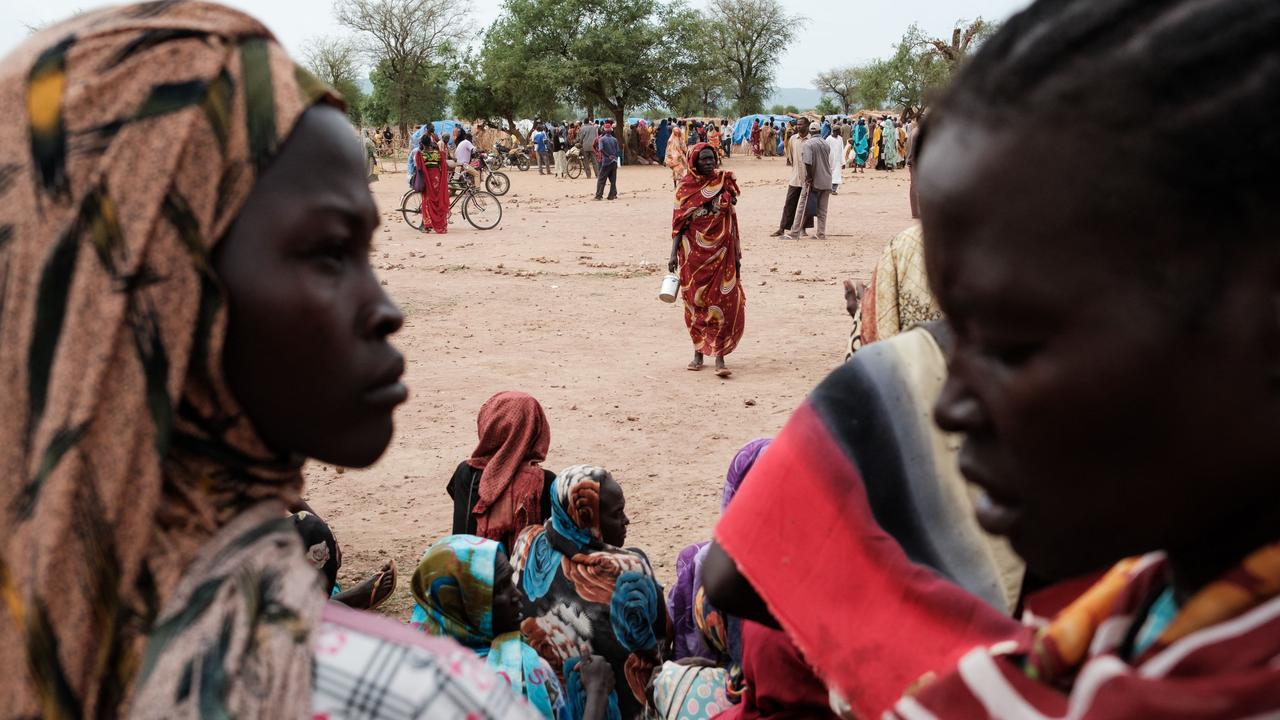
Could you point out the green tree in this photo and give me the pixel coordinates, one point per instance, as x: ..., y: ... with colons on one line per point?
x: 704, y: 87
x: 422, y: 100
x: 842, y: 84
x: 503, y: 85
x: 919, y: 66
x: 409, y: 44
x: 906, y: 78
x: 752, y: 36
x: 827, y: 106
x: 610, y: 55
x: 965, y: 37
x: 334, y: 60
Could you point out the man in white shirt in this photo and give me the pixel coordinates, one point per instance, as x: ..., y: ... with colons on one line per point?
x: 462, y: 153
x: 797, y: 176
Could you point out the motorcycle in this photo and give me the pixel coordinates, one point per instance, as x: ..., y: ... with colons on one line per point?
x: 517, y: 156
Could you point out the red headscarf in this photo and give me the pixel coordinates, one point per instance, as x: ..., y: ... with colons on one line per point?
x: 514, y: 437
x: 692, y: 157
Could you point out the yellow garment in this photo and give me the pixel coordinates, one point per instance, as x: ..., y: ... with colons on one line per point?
x: 899, y: 295
x: 875, y: 146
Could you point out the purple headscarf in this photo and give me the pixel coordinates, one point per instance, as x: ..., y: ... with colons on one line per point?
x: 688, y: 640
x: 738, y: 469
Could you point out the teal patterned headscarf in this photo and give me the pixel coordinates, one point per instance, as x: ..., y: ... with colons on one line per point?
x: 453, y: 587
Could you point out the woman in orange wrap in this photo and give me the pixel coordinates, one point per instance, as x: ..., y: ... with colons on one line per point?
x: 706, y: 249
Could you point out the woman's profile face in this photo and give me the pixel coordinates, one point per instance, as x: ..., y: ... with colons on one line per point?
x: 1111, y: 402
x: 307, y: 353
x: 613, y: 513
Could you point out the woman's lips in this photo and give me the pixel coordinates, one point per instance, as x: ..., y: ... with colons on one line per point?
x: 994, y: 516
x: 388, y: 390
x: 388, y: 395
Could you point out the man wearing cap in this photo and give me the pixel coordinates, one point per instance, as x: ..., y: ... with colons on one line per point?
x: 814, y: 161
x: 797, y: 178
x: 608, y: 150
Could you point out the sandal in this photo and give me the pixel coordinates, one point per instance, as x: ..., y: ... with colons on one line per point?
x: 375, y: 601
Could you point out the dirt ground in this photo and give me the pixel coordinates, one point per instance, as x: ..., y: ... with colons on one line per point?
x: 560, y: 301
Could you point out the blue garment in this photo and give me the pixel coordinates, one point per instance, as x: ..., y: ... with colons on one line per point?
x: 540, y: 141
x: 453, y: 587
x: 608, y: 149
x: 513, y: 660
x: 861, y: 144
x: 1162, y: 613
x: 660, y: 141
x: 826, y: 130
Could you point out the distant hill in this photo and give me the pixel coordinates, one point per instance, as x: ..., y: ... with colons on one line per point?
x: 803, y: 98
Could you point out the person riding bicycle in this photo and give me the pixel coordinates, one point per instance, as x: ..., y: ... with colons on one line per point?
x: 462, y: 154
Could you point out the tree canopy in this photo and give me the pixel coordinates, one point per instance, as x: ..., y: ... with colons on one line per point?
x: 409, y: 44
x: 336, y: 62
x: 751, y: 37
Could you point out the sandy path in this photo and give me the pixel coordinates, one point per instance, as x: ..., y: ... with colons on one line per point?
x: 560, y: 301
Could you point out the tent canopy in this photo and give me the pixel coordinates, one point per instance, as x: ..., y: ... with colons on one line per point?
x: 630, y: 121
x: 443, y: 128
x: 742, y: 130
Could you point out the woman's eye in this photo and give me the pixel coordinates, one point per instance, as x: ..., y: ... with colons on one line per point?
x: 331, y: 254
x: 1013, y: 354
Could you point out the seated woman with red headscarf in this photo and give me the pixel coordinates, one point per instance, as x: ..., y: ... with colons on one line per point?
x: 502, y: 489
x: 706, y: 249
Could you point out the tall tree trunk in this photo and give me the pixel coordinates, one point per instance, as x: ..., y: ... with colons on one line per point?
x: 620, y: 123
x: 511, y: 128
x: 402, y: 107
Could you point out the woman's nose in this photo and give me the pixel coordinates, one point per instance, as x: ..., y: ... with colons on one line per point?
x: 957, y: 409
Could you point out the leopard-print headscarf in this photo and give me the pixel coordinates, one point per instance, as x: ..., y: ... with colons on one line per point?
x: 147, y: 561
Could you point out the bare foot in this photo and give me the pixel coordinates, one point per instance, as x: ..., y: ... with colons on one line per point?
x: 372, y: 593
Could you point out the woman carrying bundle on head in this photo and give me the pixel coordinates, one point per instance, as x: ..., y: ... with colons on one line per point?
x: 706, y: 249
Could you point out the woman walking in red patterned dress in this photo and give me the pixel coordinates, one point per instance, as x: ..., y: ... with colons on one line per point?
x: 706, y: 249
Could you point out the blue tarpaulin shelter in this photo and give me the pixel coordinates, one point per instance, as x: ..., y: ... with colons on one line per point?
x: 630, y: 121
x: 742, y: 129
x: 443, y: 128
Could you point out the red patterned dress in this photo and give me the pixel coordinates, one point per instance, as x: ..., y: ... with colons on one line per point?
x: 714, y: 304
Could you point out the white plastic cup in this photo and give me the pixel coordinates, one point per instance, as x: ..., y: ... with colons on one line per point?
x: 670, y: 288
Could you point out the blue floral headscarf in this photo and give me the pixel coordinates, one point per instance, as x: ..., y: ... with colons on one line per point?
x: 588, y: 597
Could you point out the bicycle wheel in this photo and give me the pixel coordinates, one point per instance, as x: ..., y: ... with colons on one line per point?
x: 575, y: 168
x: 522, y: 163
x: 497, y: 183
x: 482, y: 210
x: 411, y: 209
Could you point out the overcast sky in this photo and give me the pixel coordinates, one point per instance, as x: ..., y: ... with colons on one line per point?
x: 844, y: 32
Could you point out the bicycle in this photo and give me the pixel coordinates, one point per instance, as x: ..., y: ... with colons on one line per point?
x: 495, y: 182
x: 573, y: 162
x: 479, y: 207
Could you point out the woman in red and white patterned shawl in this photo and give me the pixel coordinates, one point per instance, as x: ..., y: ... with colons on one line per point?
x: 708, y: 252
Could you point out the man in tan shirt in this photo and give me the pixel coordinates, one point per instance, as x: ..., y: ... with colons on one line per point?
x: 797, y: 175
